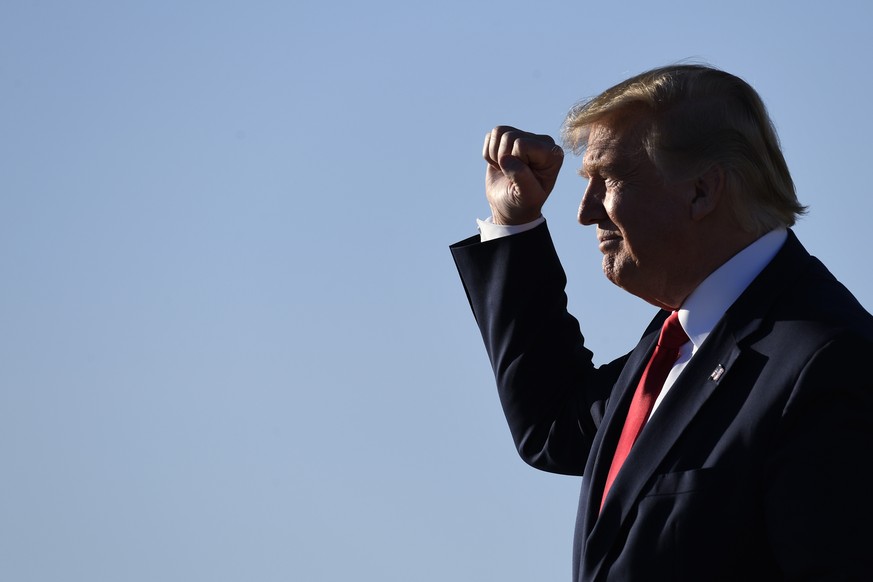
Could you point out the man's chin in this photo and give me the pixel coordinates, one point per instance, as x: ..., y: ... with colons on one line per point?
x: 611, y: 272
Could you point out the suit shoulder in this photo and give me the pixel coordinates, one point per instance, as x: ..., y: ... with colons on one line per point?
x: 823, y: 303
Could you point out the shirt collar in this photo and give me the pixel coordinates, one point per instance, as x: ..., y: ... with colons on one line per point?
x: 706, y: 305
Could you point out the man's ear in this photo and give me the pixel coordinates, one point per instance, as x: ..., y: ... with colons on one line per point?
x: 708, y: 191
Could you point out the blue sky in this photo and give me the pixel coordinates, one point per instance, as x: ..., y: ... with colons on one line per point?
x: 233, y: 345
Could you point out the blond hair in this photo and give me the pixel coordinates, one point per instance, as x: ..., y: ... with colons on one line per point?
x: 699, y: 117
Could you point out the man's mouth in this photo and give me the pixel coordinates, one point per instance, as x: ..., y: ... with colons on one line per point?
x: 608, y: 240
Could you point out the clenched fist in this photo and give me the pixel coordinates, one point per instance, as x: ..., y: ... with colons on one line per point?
x: 522, y: 169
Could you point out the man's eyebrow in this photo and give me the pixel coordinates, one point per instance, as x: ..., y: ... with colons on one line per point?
x: 595, y: 167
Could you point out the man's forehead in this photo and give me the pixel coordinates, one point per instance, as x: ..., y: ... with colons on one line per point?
x: 612, y: 143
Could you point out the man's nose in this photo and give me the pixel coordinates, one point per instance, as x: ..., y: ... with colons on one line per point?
x: 591, y: 209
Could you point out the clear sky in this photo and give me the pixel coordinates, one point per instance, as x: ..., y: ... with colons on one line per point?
x: 233, y: 345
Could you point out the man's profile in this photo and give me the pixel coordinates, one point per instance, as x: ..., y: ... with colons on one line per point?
x: 731, y: 442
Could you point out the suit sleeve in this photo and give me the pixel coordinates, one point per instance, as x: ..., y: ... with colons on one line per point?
x: 552, y: 394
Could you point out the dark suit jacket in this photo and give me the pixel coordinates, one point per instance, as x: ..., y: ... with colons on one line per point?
x: 755, y: 466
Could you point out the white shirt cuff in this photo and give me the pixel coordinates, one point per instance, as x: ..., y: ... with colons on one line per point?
x: 490, y: 231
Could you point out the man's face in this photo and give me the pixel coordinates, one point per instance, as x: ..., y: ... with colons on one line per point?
x: 641, y: 220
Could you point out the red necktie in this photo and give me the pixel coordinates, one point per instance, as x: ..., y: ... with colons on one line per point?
x: 665, y: 355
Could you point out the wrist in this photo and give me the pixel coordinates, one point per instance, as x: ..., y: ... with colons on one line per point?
x: 516, y: 218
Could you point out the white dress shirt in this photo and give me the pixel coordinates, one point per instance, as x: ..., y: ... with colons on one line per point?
x: 706, y: 305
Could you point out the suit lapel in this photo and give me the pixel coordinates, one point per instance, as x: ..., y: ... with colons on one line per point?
x: 679, y: 407
x: 706, y: 371
x: 690, y: 392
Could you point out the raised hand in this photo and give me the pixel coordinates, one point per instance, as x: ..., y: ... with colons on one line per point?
x: 522, y: 169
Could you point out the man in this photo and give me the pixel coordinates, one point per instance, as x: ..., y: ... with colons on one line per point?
x: 735, y: 449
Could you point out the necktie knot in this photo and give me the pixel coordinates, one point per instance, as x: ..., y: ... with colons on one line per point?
x: 672, y: 335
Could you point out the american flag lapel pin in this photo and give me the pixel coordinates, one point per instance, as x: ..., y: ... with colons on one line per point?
x: 717, y: 373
